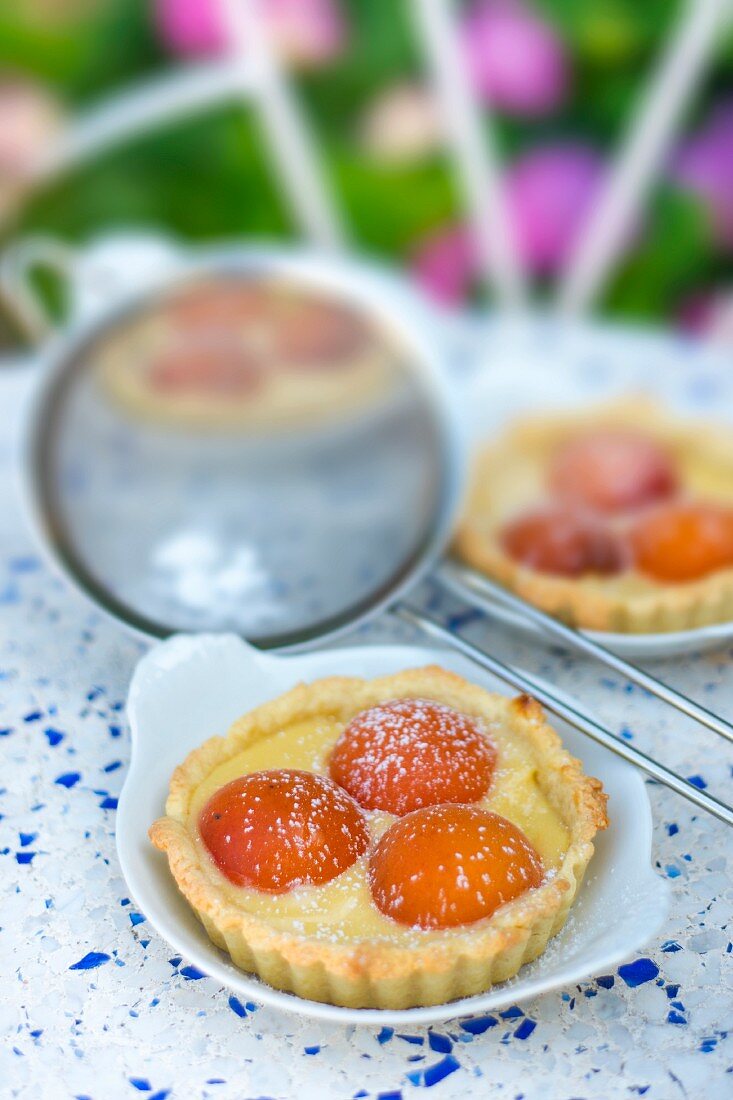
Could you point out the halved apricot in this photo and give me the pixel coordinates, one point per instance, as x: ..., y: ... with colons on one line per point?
x: 568, y: 543
x: 219, y: 371
x: 312, y: 334
x: 274, y: 830
x: 451, y: 865
x: 408, y: 753
x: 223, y: 307
x: 683, y: 541
x: 612, y: 471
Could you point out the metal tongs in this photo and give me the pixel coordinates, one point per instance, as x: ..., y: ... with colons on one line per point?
x: 481, y: 592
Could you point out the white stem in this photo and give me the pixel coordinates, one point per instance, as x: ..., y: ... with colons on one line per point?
x: 253, y: 72
x: 470, y: 140
x: 646, y: 145
x: 285, y: 127
x: 133, y: 111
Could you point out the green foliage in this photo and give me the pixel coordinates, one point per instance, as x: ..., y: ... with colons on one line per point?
x: 204, y: 178
x: 84, y: 53
x: 672, y: 260
x: 209, y: 178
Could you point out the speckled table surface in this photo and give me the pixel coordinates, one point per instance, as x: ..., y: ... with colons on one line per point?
x: 95, y: 1004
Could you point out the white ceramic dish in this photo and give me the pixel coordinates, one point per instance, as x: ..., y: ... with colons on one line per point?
x: 190, y: 687
x: 545, y: 364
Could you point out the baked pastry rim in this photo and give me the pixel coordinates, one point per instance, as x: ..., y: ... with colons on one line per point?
x: 343, y: 970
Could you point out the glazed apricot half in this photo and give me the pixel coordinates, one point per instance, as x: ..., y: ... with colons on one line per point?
x: 683, y: 541
x: 447, y: 866
x: 273, y: 830
x: 316, y: 334
x: 217, y: 371
x: 613, y: 471
x: 219, y: 307
x: 559, y: 540
x: 410, y: 753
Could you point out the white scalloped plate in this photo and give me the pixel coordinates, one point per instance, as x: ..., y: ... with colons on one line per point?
x: 190, y: 687
x: 634, y: 646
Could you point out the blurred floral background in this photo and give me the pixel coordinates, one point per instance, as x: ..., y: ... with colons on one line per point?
x: 562, y: 76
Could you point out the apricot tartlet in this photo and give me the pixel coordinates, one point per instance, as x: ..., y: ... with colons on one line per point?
x: 382, y: 843
x: 248, y: 353
x: 614, y: 519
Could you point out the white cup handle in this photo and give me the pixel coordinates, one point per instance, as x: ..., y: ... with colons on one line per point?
x: 18, y: 262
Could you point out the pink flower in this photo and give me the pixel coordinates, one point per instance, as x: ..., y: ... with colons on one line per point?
x: 516, y: 60
x: 401, y: 124
x: 704, y: 165
x: 550, y: 192
x: 307, y: 32
x: 709, y: 315
x: 695, y: 312
x: 29, y: 119
x: 445, y: 265
x: 190, y: 27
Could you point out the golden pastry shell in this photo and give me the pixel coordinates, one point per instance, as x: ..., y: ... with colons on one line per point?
x: 589, y: 602
x: 379, y: 974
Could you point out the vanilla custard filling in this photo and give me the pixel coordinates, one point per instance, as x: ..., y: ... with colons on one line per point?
x: 343, y: 909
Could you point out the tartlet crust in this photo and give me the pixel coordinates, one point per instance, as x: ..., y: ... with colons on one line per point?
x: 378, y: 974
x: 589, y: 602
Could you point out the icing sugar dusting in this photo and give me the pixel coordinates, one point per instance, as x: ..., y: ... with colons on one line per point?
x: 410, y: 753
x: 451, y: 865
x: 278, y: 829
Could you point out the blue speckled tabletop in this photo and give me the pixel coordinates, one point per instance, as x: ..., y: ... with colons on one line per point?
x: 95, y: 1004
